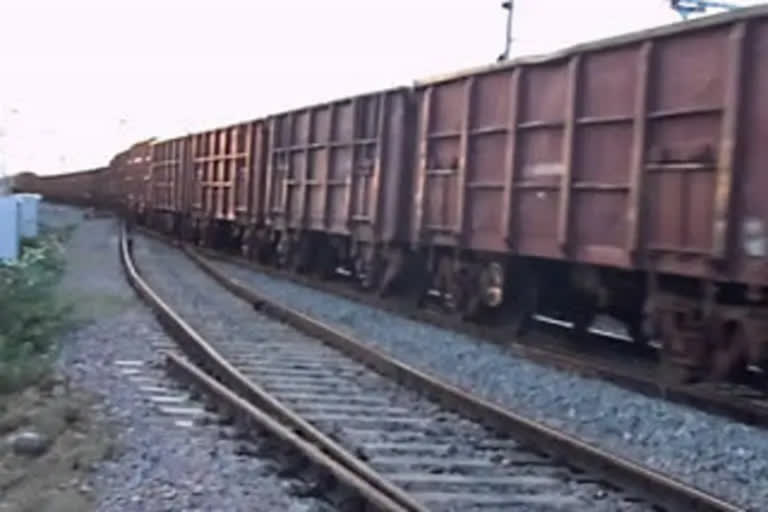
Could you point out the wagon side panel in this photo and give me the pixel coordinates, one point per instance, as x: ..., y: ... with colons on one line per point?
x: 256, y: 179
x: 220, y: 176
x: 749, y: 234
x: 641, y: 152
x: 391, y: 191
x: 689, y: 105
x: 338, y: 167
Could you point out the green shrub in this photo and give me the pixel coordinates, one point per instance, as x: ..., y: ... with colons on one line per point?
x: 30, y: 316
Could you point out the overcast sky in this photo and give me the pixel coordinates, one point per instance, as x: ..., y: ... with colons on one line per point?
x: 82, y: 79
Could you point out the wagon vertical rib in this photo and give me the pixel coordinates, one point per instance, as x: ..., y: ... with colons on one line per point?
x: 729, y: 148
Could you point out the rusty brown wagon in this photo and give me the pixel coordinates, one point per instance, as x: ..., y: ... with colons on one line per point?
x: 628, y: 174
x: 128, y: 183
x: 81, y: 187
x: 166, y: 195
x: 335, y: 181
x: 223, y: 183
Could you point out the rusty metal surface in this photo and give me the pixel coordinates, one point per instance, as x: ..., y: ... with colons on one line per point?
x: 226, y: 172
x: 339, y: 167
x: 749, y: 209
x: 129, y: 179
x: 639, y: 151
x: 168, y: 164
x: 82, y: 187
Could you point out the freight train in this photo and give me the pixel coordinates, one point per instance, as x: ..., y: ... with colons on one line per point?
x: 627, y: 176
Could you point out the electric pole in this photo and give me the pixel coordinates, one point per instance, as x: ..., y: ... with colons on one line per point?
x: 509, y: 6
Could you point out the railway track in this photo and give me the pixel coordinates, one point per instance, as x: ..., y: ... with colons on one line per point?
x: 399, y: 451
x: 632, y: 367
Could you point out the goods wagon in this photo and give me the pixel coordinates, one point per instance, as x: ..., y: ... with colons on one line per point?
x: 128, y: 181
x: 23, y: 182
x: 166, y: 199
x: 82, y: 187
x: 627, y: 175
x: 336, y: 181
x: 224, y: 184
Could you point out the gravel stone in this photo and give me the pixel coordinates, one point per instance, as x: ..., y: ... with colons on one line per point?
x: 30, y: 444
x: 726, y: 458
x: 159, y: 466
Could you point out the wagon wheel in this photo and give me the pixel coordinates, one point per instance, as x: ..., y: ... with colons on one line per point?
x: 418, y: 280
x: 325, y: 262
x: 451, y: 300
x: 467, y: 303
x: 390, y: 269
x: 201, y: 234
x: 261, y: 247
x: 523, y: 301
x: 485, y: 287
x: 457, y: 297
x: 283, y: 251
x: 372, y: 272
x: 582, y: 314
x: 637, y: 333
x: 643, y: 328
x: 678, y: 364
x: 672, y: 373
x: 473, y: 306
x: 265, y: 250
x: 729, y: 352
x: 246, y: 243
x: 302, y: 255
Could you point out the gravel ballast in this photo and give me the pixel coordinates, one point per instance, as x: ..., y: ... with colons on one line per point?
x: 249, y: 338
x: 726, y: 458
x: 159, y: 466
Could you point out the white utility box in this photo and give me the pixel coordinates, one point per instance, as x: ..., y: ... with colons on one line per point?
x: 28, y: 204
x: 9, y: 228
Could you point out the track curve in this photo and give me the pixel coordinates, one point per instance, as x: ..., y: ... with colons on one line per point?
x: 636, y: 485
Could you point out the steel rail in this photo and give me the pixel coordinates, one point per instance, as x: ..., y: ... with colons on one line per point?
x: 661, y: 489
x: 249, y: 415
x: 264, y: 408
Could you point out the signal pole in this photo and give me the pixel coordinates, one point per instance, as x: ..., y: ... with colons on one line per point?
x: 509, y: 6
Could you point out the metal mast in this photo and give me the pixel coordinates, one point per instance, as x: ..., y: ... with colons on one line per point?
x: 509, y: 5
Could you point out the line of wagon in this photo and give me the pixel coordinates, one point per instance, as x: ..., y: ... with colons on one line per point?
x: 625, y: 176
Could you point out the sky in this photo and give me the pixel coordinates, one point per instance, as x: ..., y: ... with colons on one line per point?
x: 81, y: 80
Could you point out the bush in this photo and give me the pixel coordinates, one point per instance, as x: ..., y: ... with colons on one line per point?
x: 30, y: 316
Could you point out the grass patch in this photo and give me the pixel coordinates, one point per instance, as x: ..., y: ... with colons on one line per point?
x: 30, y: 316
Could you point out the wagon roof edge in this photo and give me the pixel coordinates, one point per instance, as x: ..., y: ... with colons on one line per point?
x: 637, y: 36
